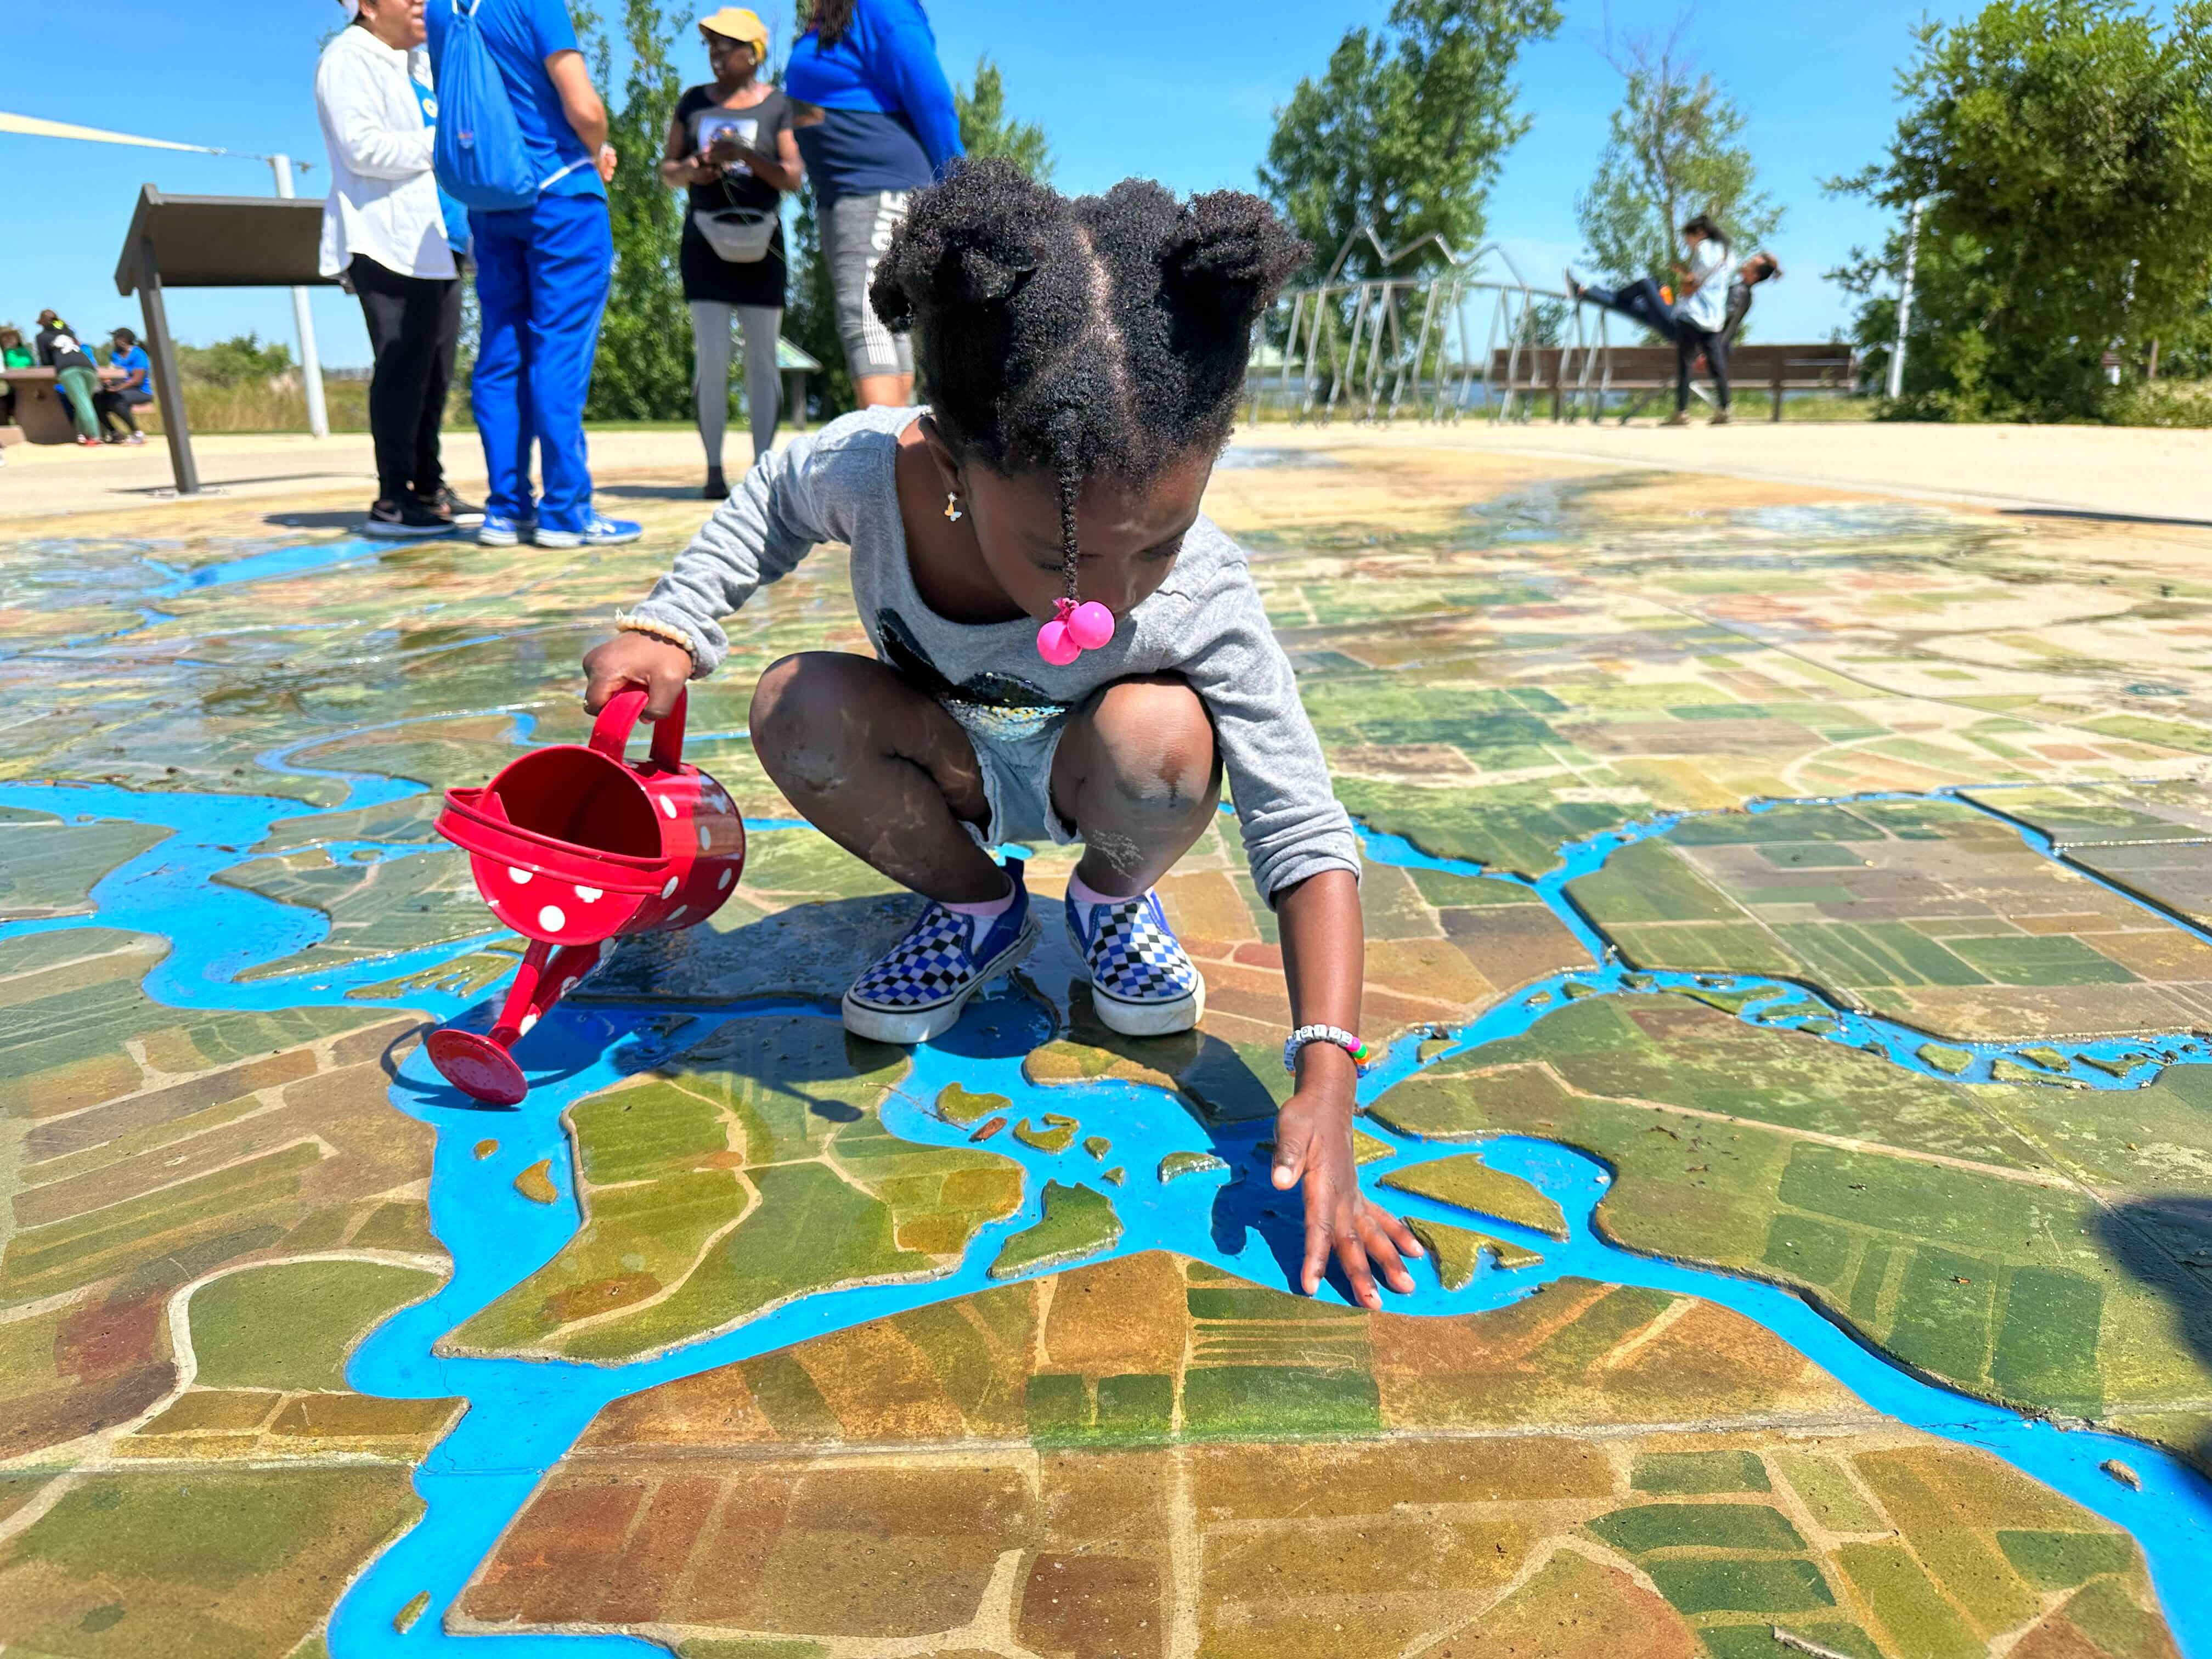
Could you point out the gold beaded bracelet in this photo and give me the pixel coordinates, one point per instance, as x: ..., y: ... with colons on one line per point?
x: 626, y: 622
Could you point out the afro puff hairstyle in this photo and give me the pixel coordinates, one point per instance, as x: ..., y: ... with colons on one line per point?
x: 1101, y: 334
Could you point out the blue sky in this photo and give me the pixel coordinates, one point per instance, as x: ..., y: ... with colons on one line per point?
x: 1181, y: 90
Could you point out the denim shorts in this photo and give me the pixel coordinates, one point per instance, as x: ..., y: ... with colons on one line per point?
x: 1017, y: 770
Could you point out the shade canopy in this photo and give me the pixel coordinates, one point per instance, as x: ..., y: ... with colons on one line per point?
x: 222, y: 241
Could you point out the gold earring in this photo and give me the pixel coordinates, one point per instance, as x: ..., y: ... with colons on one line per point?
x: 952, y: 506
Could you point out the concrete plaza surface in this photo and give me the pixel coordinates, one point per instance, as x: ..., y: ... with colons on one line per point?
x: 2151, y: 473
x: 1785, y: 1175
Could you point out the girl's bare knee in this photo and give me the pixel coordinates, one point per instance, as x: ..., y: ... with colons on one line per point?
x: 1155, y: 746
x: 795, y: 725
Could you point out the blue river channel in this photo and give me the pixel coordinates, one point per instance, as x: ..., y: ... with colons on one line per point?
x: 524, y: 1415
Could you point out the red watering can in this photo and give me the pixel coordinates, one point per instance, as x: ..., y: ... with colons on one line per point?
x: 571, y: 844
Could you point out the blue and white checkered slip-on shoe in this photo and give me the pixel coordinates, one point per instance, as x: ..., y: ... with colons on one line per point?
x: 1141, y: 982
x: 915, y: 990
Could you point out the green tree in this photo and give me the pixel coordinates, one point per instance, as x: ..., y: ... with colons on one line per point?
x: 810, y: 318
x: 1405, y: 131
x: 1672, y: 148
x: 644, y: 367
x: 241, y: 359
x: 2062, y: 150
x: 986, y: 131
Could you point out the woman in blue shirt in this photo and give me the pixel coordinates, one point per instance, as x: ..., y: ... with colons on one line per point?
x: 875, y: 120
x: 132, y: 391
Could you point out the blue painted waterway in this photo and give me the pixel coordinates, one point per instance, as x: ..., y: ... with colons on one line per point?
x: 524, y: 1414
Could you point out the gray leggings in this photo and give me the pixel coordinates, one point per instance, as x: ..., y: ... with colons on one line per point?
x: 710, y: 376
x: 856, y: 232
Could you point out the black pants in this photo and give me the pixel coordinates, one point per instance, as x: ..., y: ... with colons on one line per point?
x: 1640, y: 301
x: 1689, y: 341
x: 115, y: 409
x: 414, y: 329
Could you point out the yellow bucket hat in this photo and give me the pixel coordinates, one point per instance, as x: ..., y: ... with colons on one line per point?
x: 736, y: 23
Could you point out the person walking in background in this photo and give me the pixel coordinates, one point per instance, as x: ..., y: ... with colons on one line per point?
x: 876, y: 121
x: 76, y: 377
x: 132, y: 391
x: 543, y: 273
x: 730, y: 143
x: 385, y: 234
x: 1696, y: 319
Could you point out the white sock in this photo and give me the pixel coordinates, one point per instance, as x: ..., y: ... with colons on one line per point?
x: 1084, y: 893
x: 989, y: 909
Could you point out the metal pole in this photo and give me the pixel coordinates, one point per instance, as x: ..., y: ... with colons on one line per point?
x: 311, y: 362
x: 1904, y: 305
x: 169, y: 385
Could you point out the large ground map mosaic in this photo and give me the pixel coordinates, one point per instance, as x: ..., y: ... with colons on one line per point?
x: 1789, y: 921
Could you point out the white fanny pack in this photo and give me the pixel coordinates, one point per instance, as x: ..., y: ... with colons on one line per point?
x: 740, y: 235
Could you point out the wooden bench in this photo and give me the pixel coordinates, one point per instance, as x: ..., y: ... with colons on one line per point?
x: 1566, y: 372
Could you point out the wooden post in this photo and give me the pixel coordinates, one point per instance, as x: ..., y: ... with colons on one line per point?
x: 168, y: 385
x: 1778, y: 367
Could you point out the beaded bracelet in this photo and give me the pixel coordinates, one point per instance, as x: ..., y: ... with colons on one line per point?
x: 628, y: 622
x: 1333, y: 1034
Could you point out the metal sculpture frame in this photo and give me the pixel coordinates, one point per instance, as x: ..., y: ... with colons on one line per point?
x: 1380, y: 345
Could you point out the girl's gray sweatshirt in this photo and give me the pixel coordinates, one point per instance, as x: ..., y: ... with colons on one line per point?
x: 1204, y: 623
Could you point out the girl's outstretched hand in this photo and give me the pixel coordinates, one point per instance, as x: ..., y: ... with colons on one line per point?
x: 1313, y: 1142
x: 655, y: 666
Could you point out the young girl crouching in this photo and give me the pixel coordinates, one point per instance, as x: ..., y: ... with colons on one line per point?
x: 1083, y: 360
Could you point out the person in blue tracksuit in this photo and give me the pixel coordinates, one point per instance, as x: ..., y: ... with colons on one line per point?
x: 874, y: 118
x: 543, y: 273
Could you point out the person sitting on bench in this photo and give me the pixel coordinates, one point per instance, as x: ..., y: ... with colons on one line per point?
x: 13, y: 354
x: 132, y: 391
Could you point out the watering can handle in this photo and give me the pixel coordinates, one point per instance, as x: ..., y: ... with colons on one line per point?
x: 610, y: 733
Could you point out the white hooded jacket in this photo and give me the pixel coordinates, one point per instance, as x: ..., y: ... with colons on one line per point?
x: 384, y: 199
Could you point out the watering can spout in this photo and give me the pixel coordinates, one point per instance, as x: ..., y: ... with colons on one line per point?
x: 572, y: 845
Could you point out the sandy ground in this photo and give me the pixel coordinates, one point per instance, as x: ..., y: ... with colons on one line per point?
x: 2126, y: 472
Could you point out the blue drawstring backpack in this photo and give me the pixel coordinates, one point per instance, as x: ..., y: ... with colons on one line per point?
x: 479, y: 155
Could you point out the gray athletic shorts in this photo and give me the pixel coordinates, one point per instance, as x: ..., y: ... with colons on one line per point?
x: 1017, y: 787
x: 856, y: 233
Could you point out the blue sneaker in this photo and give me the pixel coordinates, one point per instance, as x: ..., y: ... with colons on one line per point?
x: 497, y: 530
x: 598, y: 531
x: 1141, y: 982
x: 915, y: 990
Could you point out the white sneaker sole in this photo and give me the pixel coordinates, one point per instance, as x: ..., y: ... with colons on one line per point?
x: 486, y: 537
x: 1149, y: 1018
x: 578, y: 538
x: 919, y: 1025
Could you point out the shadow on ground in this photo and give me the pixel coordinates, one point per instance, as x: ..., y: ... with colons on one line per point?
x: 2165, y: 1242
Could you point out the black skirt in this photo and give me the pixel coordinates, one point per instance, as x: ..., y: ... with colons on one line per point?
x: 708, y: 276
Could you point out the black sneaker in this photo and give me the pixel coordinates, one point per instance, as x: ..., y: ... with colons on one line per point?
x: 451, y: 508
x: 717, y: 488
x: 402, y: 520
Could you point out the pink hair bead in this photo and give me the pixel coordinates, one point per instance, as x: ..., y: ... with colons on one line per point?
x: 1091, y: 625
x: 1074, y: 628
x: 1056, y: 644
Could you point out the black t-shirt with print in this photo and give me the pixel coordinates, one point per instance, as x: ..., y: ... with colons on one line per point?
x: 700, y: 117
x: 57, y: 348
